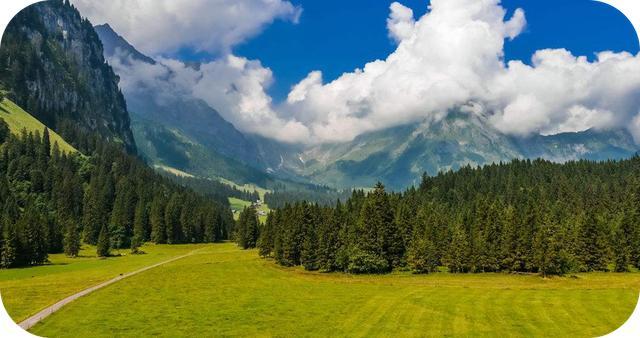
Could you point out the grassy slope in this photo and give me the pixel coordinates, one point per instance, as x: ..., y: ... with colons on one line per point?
x: 222, y: 291
x: 238, y: 204
x: 18, y: 119
x: 25, y: 291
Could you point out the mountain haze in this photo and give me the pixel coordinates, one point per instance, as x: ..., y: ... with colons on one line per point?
x: 183, y: 132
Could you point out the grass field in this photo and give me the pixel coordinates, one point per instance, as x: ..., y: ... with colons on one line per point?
x: 18, y: 119
x: 27, y: 290
x: 238, y: 204
x: 222, y: 291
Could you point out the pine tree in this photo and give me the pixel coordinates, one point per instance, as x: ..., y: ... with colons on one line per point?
x: 265, y: 241
x: 309, y: 250
x: 374, y: 243
x: 156, y: 217
x: 104, y: 246
x: 422, y: 256
x: 71, y: 238
x: 139, y: 225
x: 172, y: 219
x: 34, y: 240
x: 457, y: 258
x: 10, y: 246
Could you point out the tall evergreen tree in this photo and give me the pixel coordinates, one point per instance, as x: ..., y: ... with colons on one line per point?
x: 71, y: 238
x: 104, y: 244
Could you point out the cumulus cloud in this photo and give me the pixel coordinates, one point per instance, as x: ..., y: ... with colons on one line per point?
x: 233, y: 85
x: 166, y: 26
x: 400, y: 22
x: 452, y: 56
x: 441, y: 61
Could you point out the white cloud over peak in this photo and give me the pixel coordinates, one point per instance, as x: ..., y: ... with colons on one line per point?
x: 233, y: 85
x: 441, y: 61
x: 450, y: 58
x: 453, y: 55
x: 166, y: 26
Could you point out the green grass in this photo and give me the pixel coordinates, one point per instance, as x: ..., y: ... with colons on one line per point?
x: 222, y: 291
x: 18, y: 119
x: 246, y: 187
x: 238, y: 204
x: 25, y: 291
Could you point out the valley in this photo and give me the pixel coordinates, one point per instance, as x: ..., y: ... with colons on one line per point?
x: 169, y: 187
x: 224, y: 291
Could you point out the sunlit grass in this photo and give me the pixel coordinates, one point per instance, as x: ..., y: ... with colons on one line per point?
x: 18, y: 119
x: 25, y: 291
x: 222, y: 291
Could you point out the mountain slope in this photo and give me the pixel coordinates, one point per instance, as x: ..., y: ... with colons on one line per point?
x: 19, y: 120
x: 398, y: 156
x: 213, y: 146
x: 52, y: 60
x: 169, y: 148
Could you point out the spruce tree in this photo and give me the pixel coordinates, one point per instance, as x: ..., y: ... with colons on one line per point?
x: 265, y: 241
x: 309, y: 250
x: 104, y: 246
x: 156, y: 218
x: 422, y: 256
x: 457, y: 257
x: 71, y: 238
x: 139, y: 226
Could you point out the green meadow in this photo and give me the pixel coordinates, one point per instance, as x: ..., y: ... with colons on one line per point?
x: 238, y: 204
x: 223, y: 291
x: 26, y: 291
x: 18, y: 119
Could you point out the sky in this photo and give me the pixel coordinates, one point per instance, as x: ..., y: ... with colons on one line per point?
x: 308, y: 71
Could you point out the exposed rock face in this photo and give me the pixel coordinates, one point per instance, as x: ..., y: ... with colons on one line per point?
x: 51, y: 60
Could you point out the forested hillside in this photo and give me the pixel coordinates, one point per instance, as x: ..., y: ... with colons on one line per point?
x: 524, y: 216
x: 52, y: 201
x: 52, y: 63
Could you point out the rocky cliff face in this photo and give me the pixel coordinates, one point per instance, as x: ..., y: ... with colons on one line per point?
x: 51, y: 60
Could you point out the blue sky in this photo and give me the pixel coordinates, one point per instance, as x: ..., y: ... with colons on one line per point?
x: 337, y: 36
x: 447, y: 60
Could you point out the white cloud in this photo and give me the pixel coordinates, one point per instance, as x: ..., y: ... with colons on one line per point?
x: 453, y: 55
x: 443, y: 60
x: 166, y: 26
x: 232, y: 85
x: 400, y: 22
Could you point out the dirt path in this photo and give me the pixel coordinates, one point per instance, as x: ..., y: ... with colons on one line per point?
x: 33, y: 320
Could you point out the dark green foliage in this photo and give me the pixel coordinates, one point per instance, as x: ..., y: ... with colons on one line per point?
x: 52, y: 61
x: 4, y: 130
x: 140, y: 226
x: 422, y: 256
x: 103, y: 248
x: 267, y: 233
x: 51, y: 201
x: 71, y: 238
x: 247, y: 231
x: 524, y: 216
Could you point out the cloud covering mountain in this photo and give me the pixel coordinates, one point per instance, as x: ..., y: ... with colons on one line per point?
x: 166, y: 26
x: 452, y: 58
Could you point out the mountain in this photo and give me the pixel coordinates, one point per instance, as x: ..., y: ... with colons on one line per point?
x: 398, y: 156
x: 182, y: 132
x: 52, y: 61
x: 178, y: 130
x: 111, y: 42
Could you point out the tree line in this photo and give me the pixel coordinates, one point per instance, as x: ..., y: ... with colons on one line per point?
x: 214, y: 189
x: 52, y: 201
x: 523, y: 216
